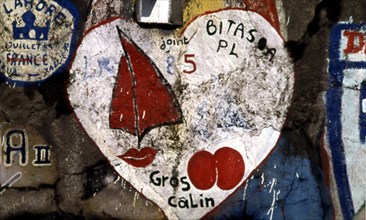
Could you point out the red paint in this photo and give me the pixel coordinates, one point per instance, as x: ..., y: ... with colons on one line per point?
x: 267, y: 9
x: 226, y: 167
x: 191, y: 62
x: 123, y: 111
x: 202, y: 170
x: 141, y: 94
x: 230, y: 168
x: 355, y: 42
x: 139, y: 158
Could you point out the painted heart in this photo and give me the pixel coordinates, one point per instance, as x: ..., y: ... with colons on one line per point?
x: 185, y: 119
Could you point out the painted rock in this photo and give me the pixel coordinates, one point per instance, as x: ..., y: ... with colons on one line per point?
x: 37, y: 39
x: 185, y: 119
x: 26, y: 156
x: 346, y: 112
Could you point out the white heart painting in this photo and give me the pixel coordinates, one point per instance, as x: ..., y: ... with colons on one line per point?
x: 185, y: 119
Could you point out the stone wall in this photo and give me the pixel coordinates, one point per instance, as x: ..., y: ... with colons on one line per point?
x: 259, y: 110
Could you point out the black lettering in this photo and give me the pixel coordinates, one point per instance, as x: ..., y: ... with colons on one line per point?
x: 183, y: 203
x: 29, y: 59
x: 41, y: 5
x: 35, y: 60
x: 193, y: 205
x: 17, y: 3
x: 232, y: 50
x: 14, y: 59
x: 38, y: 45
x: 186, y: 41
x: 231, y: 22
x: 59, y: 18
x: 201, y: 201
x: 165, y: 178
x: 28, y: 2
x: 45, y: 60
x: 271, y: 52
x: 8, y: 57
x: 21, y: 59
x: 210, y: 201
x: 20, y: 148
x: 220, y: 32
x: 252, y: 37
x: 163, y: 46
x: 183, y: 181
x: 50, y: 10
x: 42, y: 155
x: 222, y: 44
x: 262, y: 43
x: 7, y: 11
x: 210, y: 27
x: 153, y: 180
x: 240, y: 28
x: 170, y: 201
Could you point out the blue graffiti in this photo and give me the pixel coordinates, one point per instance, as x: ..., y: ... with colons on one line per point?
x: 30, y: 31
x: 34, y: 38
x: 337, y: 65
x: 103, y: 64
x: 230, y: 115
x: 170, y: 61
x: 225, y: 116
x: 362, y: 113
x: 202, y: 128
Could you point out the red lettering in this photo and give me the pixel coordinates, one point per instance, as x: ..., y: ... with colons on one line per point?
x: 191, y: 62
x: 355, y: 41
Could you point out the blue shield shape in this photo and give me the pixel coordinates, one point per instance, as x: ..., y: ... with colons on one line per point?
x: 346, y: 108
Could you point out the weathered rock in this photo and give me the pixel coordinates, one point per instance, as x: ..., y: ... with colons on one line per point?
x: 118, y: 200
x: 75, y: 150
x: 69, y: 191
x: 298, y: 15
x: 20, y: 202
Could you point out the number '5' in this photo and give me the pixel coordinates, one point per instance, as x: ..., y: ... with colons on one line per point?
x: 188, y: 59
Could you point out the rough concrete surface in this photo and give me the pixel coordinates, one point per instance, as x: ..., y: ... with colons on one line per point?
x: 295, y: 181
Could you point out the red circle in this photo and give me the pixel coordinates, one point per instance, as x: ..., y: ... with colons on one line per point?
x: 230, y: 168
x: 202, y: 170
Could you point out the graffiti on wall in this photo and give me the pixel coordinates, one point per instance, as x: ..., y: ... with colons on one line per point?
x: 176, y: 116
x: 37, y: 40
x: 346, y: 106
x: 26, y: 158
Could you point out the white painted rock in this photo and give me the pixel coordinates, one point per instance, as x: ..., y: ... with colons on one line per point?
x: 184, y: 119
x: 37, y: 39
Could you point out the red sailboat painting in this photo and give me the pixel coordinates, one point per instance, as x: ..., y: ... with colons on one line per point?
x: 142, y: 100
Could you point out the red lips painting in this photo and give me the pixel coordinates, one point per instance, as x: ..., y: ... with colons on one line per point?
x: 139, y: 158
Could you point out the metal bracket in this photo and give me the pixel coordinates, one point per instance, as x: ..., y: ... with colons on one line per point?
x: 168, y: 12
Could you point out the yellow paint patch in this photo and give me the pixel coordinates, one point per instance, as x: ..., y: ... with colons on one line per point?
x: 197, y: 7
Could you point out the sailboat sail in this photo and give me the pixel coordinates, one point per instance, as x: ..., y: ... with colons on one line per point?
x: 142, y: 98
